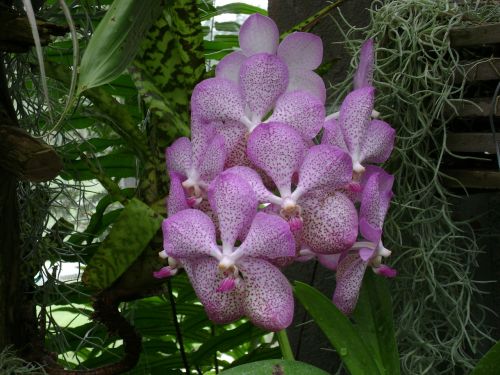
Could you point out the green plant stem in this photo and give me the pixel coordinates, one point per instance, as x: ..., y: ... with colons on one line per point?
x: 285, y: 347
x: 178, y: 332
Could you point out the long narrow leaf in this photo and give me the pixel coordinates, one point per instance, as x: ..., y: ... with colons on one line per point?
x: 338, y: 329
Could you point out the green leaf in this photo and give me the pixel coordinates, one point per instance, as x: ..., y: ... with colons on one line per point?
x: 73, y: 149
x: 116, y: 41
x: 234, y: 8
x: 275, y: 366
x: 116, y: 164
x: 226, y: 341
x: 374, y: 322
x: 490, y: 363
x: 259, y: 354
x: 132, y: 231
x: 338, y: 329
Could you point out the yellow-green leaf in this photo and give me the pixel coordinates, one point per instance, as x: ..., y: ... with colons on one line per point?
x: 130, y: 234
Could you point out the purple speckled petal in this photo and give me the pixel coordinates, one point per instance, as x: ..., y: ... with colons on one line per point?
x: 268, y: 300
x: 332, y: 134
x: 259, y: 34
x: 213, y: 161
x: 217, y: 99
x: 364, y: 74
x: 350, y: 272
x: 234, y: 133
x: 202, y: 132
x: 178, y: 156
x: 378, y: 143
x: 269, y: 237
x: 324, y: 166
x: 188, y: 234
x: 375, y: 202
x: 330, y: 223
x: 278, y: 149
x: 254, y: 180
x: 176, y: 200
x: 309, y: 81
x: 235, y: 204
x: 263, y: 78
x: 355, y: 117
x: 301, y: 51
x: 229, y: 66
x: 302, y: 111
x: 205, y: 277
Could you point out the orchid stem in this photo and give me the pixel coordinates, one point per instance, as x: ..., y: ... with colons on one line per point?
x: 285, y: 347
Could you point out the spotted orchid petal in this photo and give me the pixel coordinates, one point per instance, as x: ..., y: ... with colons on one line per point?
x: 263, y: 78
x: 324, y: 167
x: 350, y: 272
x: 378, y: 143
x: 213, y: 160
x: 309, y: 81
x: 268, y: 299
x: 206, y: 277
x: 235, y: 204
x: 176, y: 200
x: 202, y: 133
x: 229, y: 66
x: 233, y: 133
x: 258, y: 34
x: 269, y: 237
x: 332, y: 134
x: 375, y: 202
x: 254, y: 180
x: 330, y: 223
x: 178, y: 156
x: 355, y: 117
x: 302, y: 111
x: 278, y: 150
x: 364, y: 74
x: 217, y: 99
x: 301, y: 51
x: 188, y: 234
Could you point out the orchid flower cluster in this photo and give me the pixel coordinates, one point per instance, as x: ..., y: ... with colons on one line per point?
x: 254, y: 189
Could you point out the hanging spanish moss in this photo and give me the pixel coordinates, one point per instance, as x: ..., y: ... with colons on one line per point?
x: 439, y: 322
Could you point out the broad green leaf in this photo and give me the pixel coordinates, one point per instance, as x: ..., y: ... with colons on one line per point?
x: 275, y: 366
x: 374, y: 322
x: 490, y: 363
x: 116, y: 41
x: 226, y: 341
x: 338, y: 329
x: 132, y: 231
x: 259, y: 354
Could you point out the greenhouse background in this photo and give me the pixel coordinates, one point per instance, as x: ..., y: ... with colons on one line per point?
x: 92, y: 94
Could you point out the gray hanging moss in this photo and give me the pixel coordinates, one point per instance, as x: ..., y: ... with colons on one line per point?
x: 439, y: 322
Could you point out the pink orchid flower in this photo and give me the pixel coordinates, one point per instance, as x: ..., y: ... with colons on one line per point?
x: 234, y: 281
